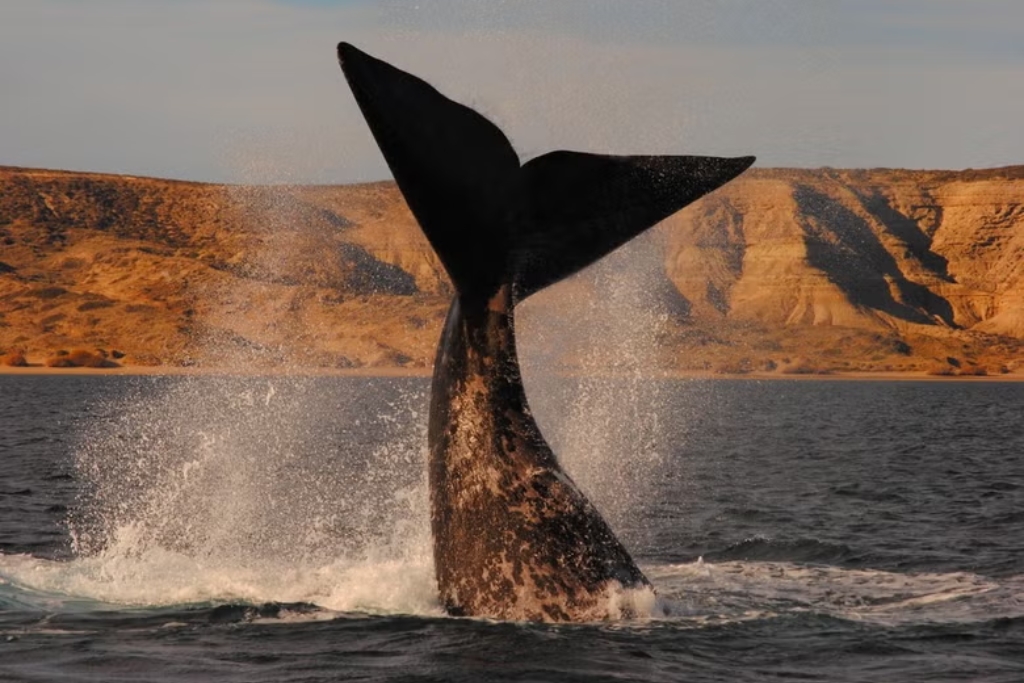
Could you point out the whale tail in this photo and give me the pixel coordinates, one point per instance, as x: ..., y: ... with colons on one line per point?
x: 493, y: 221
x: 514, y: 537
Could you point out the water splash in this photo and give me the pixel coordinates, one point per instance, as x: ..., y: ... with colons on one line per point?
x: 219, y: 488
x: 729, y: 592
x: 256, y: 489
x: 596, y: 402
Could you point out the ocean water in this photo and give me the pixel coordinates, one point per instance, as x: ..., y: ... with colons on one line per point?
x: 275, y: 529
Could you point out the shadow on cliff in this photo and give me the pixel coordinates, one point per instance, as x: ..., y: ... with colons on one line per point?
x: 919, y: 244
x: 842, y: 245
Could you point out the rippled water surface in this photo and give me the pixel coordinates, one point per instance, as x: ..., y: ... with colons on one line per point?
x: 275, y: 529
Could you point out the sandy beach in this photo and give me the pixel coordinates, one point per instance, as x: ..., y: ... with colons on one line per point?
x: 170, y: 370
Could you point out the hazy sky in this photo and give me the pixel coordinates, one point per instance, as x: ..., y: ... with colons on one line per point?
x: 249, y: 90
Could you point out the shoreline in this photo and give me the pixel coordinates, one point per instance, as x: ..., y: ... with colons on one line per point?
x: 227, y: 371
x: 172, y: 371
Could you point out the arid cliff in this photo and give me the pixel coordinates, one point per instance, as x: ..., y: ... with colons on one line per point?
x: 781, y: 270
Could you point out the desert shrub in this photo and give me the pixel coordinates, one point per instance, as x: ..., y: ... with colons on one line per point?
x: 974, y: 371
x: 48, y: 292
x: 83, y: 358
x: 95, y: 304
x: 51, y: 319
x: 72, y: 263
x: 901, y: 347
x: 343, y: 363
x: 58, y: 361
x: 800, y: 366
x: 941, y: 370
x: 733, y: 367
x: 146, y: 359
x: 728, y: 368
x: 14, y: 358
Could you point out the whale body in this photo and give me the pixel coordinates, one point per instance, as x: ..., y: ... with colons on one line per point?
x: 514, y: 537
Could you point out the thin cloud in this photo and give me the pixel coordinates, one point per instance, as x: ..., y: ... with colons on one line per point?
x: 249, y: 90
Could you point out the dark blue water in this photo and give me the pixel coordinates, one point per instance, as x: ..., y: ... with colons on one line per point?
x: 271, y: 529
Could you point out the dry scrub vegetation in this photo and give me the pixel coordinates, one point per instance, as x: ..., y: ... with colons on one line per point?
x: 79, y: 358
x: 14, y: 358
x: 786, y: 271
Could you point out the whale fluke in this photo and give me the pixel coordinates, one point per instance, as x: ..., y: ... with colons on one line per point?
x: 493, y: 221
x: 514, y: 537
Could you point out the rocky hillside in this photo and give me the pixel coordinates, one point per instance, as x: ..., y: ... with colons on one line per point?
x: 794, y: 270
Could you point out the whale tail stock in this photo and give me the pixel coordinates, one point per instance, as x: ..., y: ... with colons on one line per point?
x: 493, y: 221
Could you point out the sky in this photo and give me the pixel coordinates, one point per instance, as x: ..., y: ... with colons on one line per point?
x: 250, y: 90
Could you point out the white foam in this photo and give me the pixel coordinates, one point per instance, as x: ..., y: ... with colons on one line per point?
x: 696, y: 594
x: 215, y: 490
x: 635, y: 605
x: 739, y: 591
x: 164, y: 578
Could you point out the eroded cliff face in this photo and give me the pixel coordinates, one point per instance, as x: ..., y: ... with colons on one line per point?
x: 852, y: 269
x: 186, y: 273
x: 879, y: 249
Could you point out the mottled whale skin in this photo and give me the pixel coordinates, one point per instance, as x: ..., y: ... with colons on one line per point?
x: 514, y: 537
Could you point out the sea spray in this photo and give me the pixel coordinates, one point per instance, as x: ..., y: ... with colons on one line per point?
x: 289, y: 489
x: 234, y: 486
x: 313, y: 489
x: 599, y: 402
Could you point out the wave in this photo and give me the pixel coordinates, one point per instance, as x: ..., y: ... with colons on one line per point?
x: 740, y: 590
x: 696, y: 594
x: 808, y: 551
x: 161, y: 578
